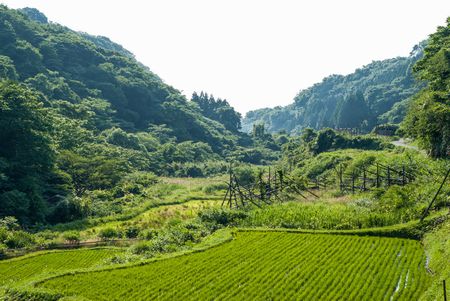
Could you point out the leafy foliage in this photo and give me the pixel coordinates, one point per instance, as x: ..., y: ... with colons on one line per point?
x: 428, y: 119
x: 219, y: 110
x: 27, y: 155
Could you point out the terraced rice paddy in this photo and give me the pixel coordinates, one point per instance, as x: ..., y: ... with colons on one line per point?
x: 40, y: 265
x: 267, y: 266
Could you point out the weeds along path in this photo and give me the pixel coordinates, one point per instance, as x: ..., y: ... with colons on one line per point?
x: 266, y: 265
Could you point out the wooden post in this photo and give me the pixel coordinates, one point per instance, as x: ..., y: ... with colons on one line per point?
x: 364, y: 179
x: 280, y: 174
x: 403, y: 176
x: 226, y: 194
x: 435, y: 196
x: 261, y: 186
x: 230, y: 201
x: 241, y: 195
x: 270, y: 178
x: 445, y: 291
x: 388, y: 176
x: 378, y: 176
x: 353, y: 183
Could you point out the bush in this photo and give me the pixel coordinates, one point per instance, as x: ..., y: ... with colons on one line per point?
x: 3, y: 234
x: 214, y: 187
x: 19, y: 239
x: 194, y: 171
x: 47, y: 235
x: 72, y: 237
x: 3, y: 249
x: 148, y: 234
x: 108, y: 234
x: 9, y: 223
x: 141, y: 248
x: 245, y: 175
x: 132, y: 232
x: 223, y: 217
x: 69, y: 209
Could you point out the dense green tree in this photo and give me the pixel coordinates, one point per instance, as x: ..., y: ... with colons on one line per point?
x: 121, y: 138
x: 26, y: 150
x: 259, y: 130
x: 428, y: 118
x: 90, y: 173
x: 218, y: 109
x: 7, y: 69
x: 7, y: 34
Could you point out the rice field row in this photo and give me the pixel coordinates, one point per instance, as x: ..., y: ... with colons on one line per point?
x: 37, y: 266
x: 267, y: 266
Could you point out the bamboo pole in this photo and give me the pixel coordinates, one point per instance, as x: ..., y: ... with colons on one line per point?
x: 445, y: 291
x: 435, y: 196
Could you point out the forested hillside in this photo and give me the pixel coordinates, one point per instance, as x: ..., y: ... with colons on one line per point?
x: 79, y: 116
x: 69, y: 66
x: 376, y: 93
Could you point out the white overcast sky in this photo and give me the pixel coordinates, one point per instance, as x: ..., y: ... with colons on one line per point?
x: 254, y: 53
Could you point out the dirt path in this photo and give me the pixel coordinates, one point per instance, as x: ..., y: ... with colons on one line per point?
x: 404, y: 143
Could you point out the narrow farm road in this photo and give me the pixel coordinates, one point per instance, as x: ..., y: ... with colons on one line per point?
x: 404, y: 143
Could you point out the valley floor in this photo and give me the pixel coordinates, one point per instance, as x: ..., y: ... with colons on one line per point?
x: 239, y: 263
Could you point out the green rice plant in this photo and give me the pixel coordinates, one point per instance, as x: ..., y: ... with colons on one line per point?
x: 263, y: 266
x: 33, y: 266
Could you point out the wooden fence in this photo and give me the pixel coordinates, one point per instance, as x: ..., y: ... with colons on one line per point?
x: 267, y: 189
x: 374, y: 175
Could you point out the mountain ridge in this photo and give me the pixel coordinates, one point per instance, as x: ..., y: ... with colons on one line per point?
x: 382, y: 83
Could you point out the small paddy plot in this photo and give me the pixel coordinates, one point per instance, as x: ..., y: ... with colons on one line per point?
x: 267, y: 266
x: 32, y: 267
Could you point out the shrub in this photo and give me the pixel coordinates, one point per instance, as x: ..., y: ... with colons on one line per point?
x: 72, y: 237
x: 10, y: 223
x: 214, y: 187
x: 222, y: 217
x: 3, y: 234
x: 3, y: 249
x: 108, y: 234
x: 19, y: 239
x: 245, y: 175
x: 47, y: 235
x: 148, y: 234
x: 131, y: 232
x: 69, y: 209
x: 194, y: 171
x: 141, y: 248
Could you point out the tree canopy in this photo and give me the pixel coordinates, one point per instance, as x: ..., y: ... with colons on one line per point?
x: 428, y: 119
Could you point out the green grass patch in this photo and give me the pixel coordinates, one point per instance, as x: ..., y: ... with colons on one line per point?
x: 437, y: 249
